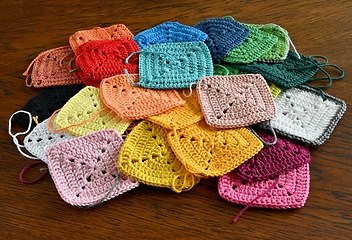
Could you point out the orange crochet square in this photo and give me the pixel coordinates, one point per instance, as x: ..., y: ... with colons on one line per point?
x: 130, y: 102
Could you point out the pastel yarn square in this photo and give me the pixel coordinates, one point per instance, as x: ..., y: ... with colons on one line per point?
x: 41, y: 138
x: 290, y: 73
x: 223, y: 35
x: 290, y: 191
x: 88, y: 106
x: 174, y: 65
x: 112, y: 32
x: 253, y: 47
x: 84, y: 169
x: 182, y: 116
x: 50, y: 68
x: 130, y: 102
x: 96, y: 60
x: 274, y: 160
x: 235, y: 101
x: 208, y: 152
x: 304, y: 115
x: 45, y: 103
x: 147, y: 157
x: 169, y: 32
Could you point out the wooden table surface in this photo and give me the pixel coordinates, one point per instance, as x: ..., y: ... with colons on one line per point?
x: 319, y: 27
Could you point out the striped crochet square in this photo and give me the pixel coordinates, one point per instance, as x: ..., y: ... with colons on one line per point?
x: 235, y: 101
x: 169, y: 32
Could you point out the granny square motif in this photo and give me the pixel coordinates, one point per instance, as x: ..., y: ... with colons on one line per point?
x: 223, y: 35
x: 304, y: 115
x: 290, y: 191
x: 130, y: 102
x: 147, y: 157
x: 169, y: 32
x: 208, y: 152
x: 174, y: 65
x: 50, y: 68
x: 88, y: 106
x: 235, y: 101
x: 84, y: 169
x: 274, y: 160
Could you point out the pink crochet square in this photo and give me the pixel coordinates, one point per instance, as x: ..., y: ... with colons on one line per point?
x: 291, y: 190
x: 272, y: 161
x: 235, y: 101
x: 84, y: 168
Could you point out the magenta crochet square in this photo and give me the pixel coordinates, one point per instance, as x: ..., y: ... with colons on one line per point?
x: 235, y: 101
x: 290, y: 190
x: 272, y: 161
x: 84, y: 169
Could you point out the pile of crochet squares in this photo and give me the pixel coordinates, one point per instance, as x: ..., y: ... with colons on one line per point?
x: 175, y: 104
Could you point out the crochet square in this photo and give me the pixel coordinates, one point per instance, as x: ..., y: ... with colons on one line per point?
x: 46, y: 102
x: 96, y: 60
x: 274, y: 160
x: 291, y: 191
x: 287, y: 74
x: 84, y: 169
x: 50, y: 68
x: 169, y: 32
x: 147, y: 157
x: 226, y: 69
x: 41, y: 138
x: 109, y: 33
x: 304, y: 115
x: 253, y: 47
x: 235, y: 101
x: 174, y: 65
x: 88, y: 106
x: 182, y: 116
x: 208, y: 152
x: 130, y: 102
x: 223, y: 35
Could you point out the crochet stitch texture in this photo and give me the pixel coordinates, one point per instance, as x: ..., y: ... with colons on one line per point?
x: 223, y: 35
x: 147, y: 157
x: 291, y: 190
x: 174, y: 65
x: 113, y: 32
x: 96, y: 60
x: 84, y: 169
x: 84, y: 105
x: 303, y: 115
x: 208, y: 152
x: 272, y: 161
x: 50, y: 68
x: 130, y: 102
x: 169, y: 32
x: 235, y: 101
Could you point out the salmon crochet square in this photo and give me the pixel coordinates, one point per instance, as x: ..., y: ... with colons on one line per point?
x: 50, y: 68
x: 174, y: 65
x: 130, y: 102
x: 223, y: 35
x: 147, y: 157
x: 109, y: 33
x: 84, y: 169
x: 169, y: 32
x: 304, y: 115
x: 274, y: 160
x: 96, y: 60
x: 235, y: 101
x: 290, y: 191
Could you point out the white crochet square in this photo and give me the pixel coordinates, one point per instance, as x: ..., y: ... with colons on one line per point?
x: 304, y: 115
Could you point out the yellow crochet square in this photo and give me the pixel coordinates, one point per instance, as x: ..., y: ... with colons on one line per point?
x: 87, y: 105
x: 208, y: 152
x: 274, y: 89
x: 147, y: 157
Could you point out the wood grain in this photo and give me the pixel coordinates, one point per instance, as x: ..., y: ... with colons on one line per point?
x: 319, y: 27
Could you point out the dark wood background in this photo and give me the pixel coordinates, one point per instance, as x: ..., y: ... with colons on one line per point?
x: 321, y: 27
